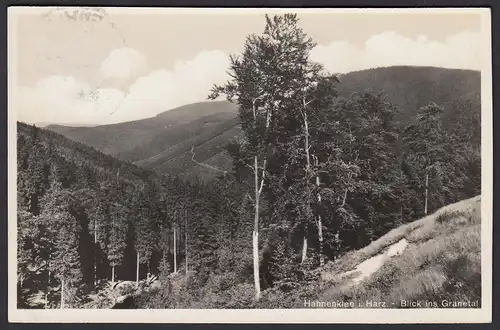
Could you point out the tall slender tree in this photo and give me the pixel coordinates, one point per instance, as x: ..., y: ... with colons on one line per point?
x: 117, y: 237
x: 265, y: 82
x: 64, y: 229
x: 425, y: 142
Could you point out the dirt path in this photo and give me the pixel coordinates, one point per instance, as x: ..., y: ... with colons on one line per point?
x: 205, y: 165
x: 371, y: 265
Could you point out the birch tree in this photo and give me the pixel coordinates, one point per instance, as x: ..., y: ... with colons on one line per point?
x: 261, y: 85
x: 426, y: 146
x: 316, y: 93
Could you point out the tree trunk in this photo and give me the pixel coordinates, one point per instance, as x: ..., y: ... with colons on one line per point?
x: 182, y: 235
x: 137, y: 270
x: 258, y: 191
x: 319, y: 222
x: 320, y: 238
x: 320, y: 228
x: 175, y: 250
x: 186, y: 243
x: 48, y: 287
x: 95, y: 252
x: 169, y: 241
x: 304, y: 249
x: 355, y: 160
x: 426, y: 191
x: 62, y: 293
x: 308, y: 171
x: 179, y: 245
x: 113, y: 263
x: 345, y: 197
x: 350, y: 177
x: 256, y: 275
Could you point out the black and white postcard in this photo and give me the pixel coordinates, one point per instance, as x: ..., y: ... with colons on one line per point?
x: 250, y: 165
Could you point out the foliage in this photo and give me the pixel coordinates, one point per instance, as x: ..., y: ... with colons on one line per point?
x: 327, y: 177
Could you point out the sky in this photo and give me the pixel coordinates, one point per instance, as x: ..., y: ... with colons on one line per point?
x: 101, y: 66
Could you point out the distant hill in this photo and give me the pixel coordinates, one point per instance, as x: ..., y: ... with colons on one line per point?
x: 155, y: 142
x: 163, y: 143
x: 410, y: 88
x: 77, y: 155
x: 42, y: 124
x: 140, y: 139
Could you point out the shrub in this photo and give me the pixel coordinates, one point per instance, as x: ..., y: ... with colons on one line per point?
x: 126, y: 288
x: 241, y: 296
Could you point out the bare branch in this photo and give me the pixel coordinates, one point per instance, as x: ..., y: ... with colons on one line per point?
x: 250, y: 167
x: 263, y: 176
x: 268, y: 119
x: 250, y: 198
x: 254, y: 110
x: 305, y: 104
x: 303, y: 116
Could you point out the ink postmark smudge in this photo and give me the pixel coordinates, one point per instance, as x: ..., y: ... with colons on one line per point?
x: 88, y: 14
x: 93, y: 19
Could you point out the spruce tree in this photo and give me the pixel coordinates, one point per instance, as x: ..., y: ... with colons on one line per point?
x: 425, y: 143
x: 63, y: 230
x: 117, y: 237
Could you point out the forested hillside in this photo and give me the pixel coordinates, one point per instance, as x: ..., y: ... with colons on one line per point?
x: 151, y: 142
x: 411, y: 88
x: 85, y: 217
x: 163, y: 142
x: 314, y: 176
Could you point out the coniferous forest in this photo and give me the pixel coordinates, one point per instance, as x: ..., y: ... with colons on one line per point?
x: 314, y: 176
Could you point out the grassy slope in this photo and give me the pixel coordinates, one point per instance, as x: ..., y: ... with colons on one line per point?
x: 136, y: 140
x: 205, y: 140
x: 204, y: 127
x: 442, y: 261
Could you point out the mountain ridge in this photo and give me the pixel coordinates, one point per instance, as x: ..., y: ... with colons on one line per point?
x: 162, y: 143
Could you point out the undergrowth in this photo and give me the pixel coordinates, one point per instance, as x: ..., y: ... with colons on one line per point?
x: 441, y: 263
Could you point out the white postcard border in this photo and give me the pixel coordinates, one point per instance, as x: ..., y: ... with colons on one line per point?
x: 386, y: 316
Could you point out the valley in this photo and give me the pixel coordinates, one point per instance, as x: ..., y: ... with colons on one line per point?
x: 361, y: 188
x: 163, y: 143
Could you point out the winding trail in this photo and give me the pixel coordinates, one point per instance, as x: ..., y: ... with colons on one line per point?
x: 369, y: 266
x: 205, y: 165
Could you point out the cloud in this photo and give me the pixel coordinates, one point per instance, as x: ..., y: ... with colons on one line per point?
x: 389, y: 48
x: 188, y: 82
x: 60, y: 99
x: 123, y: 63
